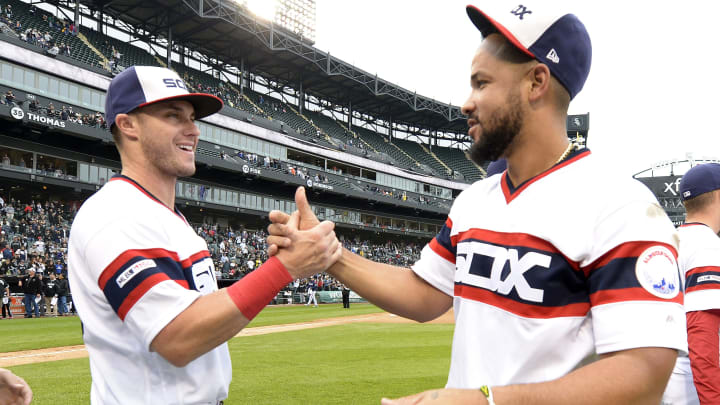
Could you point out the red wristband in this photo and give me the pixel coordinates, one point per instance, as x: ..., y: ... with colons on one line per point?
x: 253, y: 292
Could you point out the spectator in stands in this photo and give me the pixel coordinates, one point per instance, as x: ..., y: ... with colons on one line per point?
x: 62, y: 292
x: 8, y: 11
x: 9, y: 97
x: 34, y: 105
x: 32, y: 287
x: 50, y: 292
x: 5, y: 160
x: 7, y: 253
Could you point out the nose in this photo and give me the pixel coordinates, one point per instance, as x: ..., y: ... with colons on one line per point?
x: 194, y: 130
x: 468, y: 107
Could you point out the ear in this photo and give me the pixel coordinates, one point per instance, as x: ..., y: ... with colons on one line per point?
x: 128, y: 126
x: 540, y: 79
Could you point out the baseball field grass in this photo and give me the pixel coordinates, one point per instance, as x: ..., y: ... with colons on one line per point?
x: 41, y: 333
x: 354, y: 363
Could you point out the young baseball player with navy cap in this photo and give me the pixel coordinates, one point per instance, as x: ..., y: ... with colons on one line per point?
x: 696, y: 379
x: 537, y: 288
x: 155, y: 323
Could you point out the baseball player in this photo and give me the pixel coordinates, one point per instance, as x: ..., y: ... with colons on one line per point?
x: 311, y: 292
x: 537, y: 284
x: 155, y: 323
x: 699, y: 261
x: 5, y: 296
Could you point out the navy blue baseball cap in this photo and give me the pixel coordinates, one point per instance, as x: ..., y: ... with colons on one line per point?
x: 700, y: 179
x: 537, y: 28
x: 139, y: 86
x: 497, y: 166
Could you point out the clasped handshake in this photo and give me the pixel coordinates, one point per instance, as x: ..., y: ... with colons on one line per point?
x: 304, y: 245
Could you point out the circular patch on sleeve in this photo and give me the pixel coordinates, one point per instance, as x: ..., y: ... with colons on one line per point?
x: 657, y: 271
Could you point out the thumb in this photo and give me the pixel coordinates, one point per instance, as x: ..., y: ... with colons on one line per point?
x: 292, y: 224
x: 302, y: 203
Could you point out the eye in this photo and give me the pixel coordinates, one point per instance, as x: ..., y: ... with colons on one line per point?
x: 480, y: 83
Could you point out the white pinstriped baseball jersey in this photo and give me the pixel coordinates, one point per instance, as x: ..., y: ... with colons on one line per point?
x: 571, y: 262
x: 134, y: 265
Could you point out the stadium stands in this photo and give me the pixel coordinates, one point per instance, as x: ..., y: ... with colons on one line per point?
x: 458, y: 161
x: 59, y: 32
x: 312, y: 126
x: 119, y: 53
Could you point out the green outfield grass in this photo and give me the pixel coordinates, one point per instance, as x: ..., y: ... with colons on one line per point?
x: 41, y: 333
x: 346, y: 364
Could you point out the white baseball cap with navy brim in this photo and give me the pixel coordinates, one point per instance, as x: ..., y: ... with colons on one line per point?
x: 543, y: 31
x: 139, y: 86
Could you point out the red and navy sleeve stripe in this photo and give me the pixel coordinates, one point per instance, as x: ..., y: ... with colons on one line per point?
x: 703, y: 278
x: 442, y: 244
x: 612, y: 277
x: 122, y: 297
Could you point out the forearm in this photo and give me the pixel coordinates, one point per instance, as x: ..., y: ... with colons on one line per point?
x: 215, y: 318
x: 636, y: 376
x: 207, y: 323
x: 395, y: 289
x: 703, y: 344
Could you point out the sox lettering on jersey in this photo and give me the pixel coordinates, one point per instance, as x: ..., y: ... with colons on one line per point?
x: 501, y: 256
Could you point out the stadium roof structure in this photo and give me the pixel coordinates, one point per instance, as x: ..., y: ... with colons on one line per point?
x: 229, y: 33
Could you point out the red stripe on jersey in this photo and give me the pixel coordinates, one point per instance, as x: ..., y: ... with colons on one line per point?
x: 141, y: 289
x: 625, y: 250
x: 519, y: 308
x: 703, y: 286
x: 703, y: 269
x: 506, y: 190
x: 125, y: 256
x: 441, y: 251
x: 192, y: 259
x: 691, y: 224
x: 629, y: 294
x: 448, y: 223
x: 508, y: 239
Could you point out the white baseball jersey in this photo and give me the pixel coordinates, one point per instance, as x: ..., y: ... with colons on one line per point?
x: 699, y: 261
x: 134, y: 265
x: 571, y: 262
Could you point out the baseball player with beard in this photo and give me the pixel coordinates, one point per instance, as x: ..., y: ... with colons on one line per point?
x: 537, y: 285
x: 155, y: 323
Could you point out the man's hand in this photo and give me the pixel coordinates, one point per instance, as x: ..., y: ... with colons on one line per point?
x: 440, y: 396
x: 278, y: 230
x: 13, y: 389
x: 311, y: 251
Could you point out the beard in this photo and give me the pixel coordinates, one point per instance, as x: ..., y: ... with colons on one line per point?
x: 162, y: 157
x: 499, y: 131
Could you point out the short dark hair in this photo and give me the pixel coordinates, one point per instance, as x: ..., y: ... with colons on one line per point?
x: 115, y: 134
x: 700, y: 202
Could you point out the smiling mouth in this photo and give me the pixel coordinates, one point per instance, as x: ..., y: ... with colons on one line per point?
x: 186, y: 148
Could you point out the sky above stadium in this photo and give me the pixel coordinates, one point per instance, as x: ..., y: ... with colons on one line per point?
x: 652, y: 89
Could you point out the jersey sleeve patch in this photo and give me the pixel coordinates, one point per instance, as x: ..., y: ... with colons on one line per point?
x: 134, y: 273
x: 635, y: 271
x: 703, y: 278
